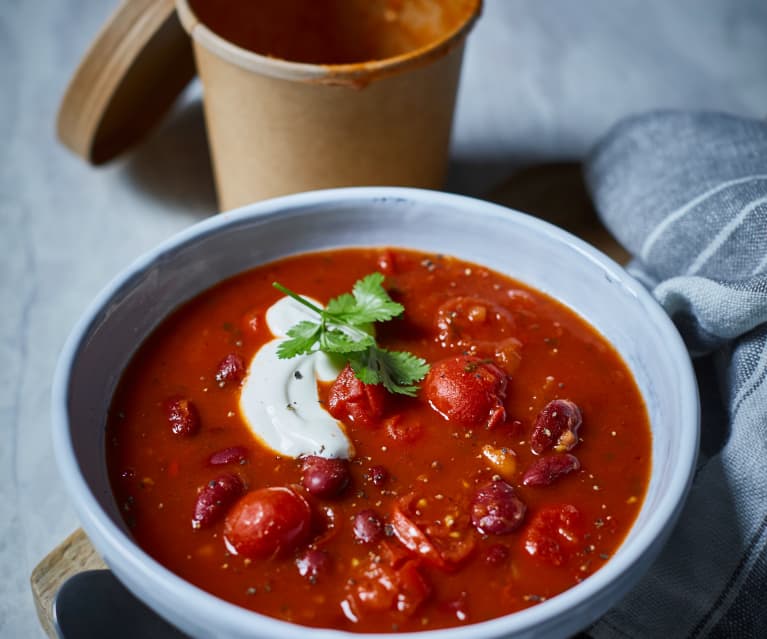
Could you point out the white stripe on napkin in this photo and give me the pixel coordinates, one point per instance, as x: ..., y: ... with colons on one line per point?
x: 681, y: 211
x: 751, y: 382
x: 723, y: 234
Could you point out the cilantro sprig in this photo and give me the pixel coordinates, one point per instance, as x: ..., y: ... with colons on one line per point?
x: 346, y: 327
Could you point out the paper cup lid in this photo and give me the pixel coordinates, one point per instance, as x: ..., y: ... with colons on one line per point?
x: 128, y: 79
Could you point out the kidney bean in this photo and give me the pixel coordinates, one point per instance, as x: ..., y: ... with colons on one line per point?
x: 352, y: 400
x: 546, y: 470
x: 496, y: 509
x: 378, y: 475
x: 467, y: 390
x: 231, y: 370
x: 313, y: 563
x: 183, y: 417
x: 368, y: 526
x: 556, y: 426
x: 214, y: 499
x: 324, y: 477
x: 268, y: 522
x: 231, y: 455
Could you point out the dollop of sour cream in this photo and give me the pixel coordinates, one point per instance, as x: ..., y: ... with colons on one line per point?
x: 279, y: 398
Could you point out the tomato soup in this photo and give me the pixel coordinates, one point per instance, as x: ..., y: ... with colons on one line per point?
x: 333, y: 31
x: 513, y: 473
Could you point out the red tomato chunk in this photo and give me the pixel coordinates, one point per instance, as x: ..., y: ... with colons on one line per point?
x: 350, y: 399
x: 465, y: 321
x: 555, y: 534
x: 437, y: 541
x: 468, y: 391
x: 382, y: 588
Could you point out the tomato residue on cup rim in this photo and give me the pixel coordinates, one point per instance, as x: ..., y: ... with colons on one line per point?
x: 226, y: 36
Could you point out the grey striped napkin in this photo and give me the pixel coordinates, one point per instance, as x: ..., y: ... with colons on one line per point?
x: 686, y: 194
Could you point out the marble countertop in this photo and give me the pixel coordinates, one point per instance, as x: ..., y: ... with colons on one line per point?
x: 542, y: 81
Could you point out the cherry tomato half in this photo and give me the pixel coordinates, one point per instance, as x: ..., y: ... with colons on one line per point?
x: 467, y: 390
x: 267, y: 522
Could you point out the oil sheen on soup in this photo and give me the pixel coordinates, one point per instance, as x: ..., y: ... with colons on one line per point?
x: 292, y: 488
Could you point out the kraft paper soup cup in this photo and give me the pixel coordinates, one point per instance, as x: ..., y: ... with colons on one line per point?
x: 280, y: 120
x: 525, y: 248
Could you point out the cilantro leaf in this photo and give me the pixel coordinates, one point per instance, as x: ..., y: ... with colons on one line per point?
x: 396, y: 370
x: 341, y: 306
x: 337, y: 341
x: 373, y: 302
x: 369, y: 302
x: 400, y: 370
x: 304, y: 336
x: 364, y: 366
x: 345, y: 327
